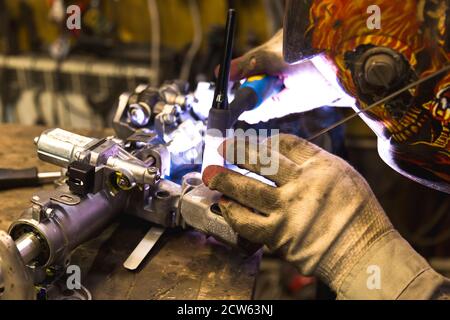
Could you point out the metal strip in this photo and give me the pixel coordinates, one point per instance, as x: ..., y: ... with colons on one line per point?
x: 143, y: 248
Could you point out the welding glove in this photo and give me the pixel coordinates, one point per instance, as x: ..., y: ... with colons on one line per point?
x: 265, y: 59
x: 321, y: 216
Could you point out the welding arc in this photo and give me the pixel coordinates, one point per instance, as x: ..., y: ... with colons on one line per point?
x: 384, y: 100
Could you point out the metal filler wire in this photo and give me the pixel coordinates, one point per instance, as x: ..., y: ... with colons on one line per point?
x: 384, y: 100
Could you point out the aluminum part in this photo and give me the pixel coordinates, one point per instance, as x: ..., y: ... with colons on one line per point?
x: 196, y: 211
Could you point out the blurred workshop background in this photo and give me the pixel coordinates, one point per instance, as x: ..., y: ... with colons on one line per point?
x: 55, y: 76
x: 51, y: 76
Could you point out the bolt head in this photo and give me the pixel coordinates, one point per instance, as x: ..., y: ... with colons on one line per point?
x: 49, y: 212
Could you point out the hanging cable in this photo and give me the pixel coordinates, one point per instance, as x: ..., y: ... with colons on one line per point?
x: 155, y: 42
x: 196, y: 40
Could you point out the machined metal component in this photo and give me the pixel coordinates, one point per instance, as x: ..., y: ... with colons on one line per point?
x: 62, y: 147
x: 136, y: 173
x: 15, y: 280
x: 129, y: 173
x: 159, y: 205
x: 29, y: 246
x: 197, y: 209
x: 139, y: 114
x: 62, y: 222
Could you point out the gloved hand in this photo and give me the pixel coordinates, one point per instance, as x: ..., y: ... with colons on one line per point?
x: 265, y: 59
x: 321, y: 216
x: 297, y: 79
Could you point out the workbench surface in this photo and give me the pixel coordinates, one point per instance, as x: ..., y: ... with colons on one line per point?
x: 183, y: 265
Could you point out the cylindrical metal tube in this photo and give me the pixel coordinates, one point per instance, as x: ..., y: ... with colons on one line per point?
x: 29, y: 247
x: 67, y: 227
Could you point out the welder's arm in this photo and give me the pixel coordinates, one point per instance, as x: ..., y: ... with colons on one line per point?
x: 323, y: 217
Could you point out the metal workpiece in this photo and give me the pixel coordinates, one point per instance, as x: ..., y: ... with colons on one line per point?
x: 16, y: 282
x: 156, y: 155
x: 158, y: 205
x: 136, y: 173
x: 139, y: 114
x: 62, y: 221
x: 147, y: 107
x: 198, y: 209
x: 176, y: 93
x: 61, y: 147
x: 167, y: 114
x: 157, y: 137
x: 190, y: 181
x: 29, y: 246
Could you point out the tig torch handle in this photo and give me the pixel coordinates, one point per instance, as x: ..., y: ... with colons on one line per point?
x: 253, y: 92
x: 249, y: 96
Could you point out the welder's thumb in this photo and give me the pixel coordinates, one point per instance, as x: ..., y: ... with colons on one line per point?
x: 265, y: 59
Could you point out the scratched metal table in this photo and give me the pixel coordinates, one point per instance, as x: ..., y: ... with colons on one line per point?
x: 184, y: 264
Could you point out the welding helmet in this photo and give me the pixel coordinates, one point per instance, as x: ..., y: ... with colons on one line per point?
x: 373, y: 63
x: 296, y: 39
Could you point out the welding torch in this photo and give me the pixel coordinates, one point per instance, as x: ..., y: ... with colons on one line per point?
x: 251, y: 94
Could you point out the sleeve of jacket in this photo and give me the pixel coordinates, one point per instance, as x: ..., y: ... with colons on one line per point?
x: 391, y: 269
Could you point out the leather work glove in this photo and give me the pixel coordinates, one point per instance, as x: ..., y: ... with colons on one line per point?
x: 265, y: 59
x: 322, y: 216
